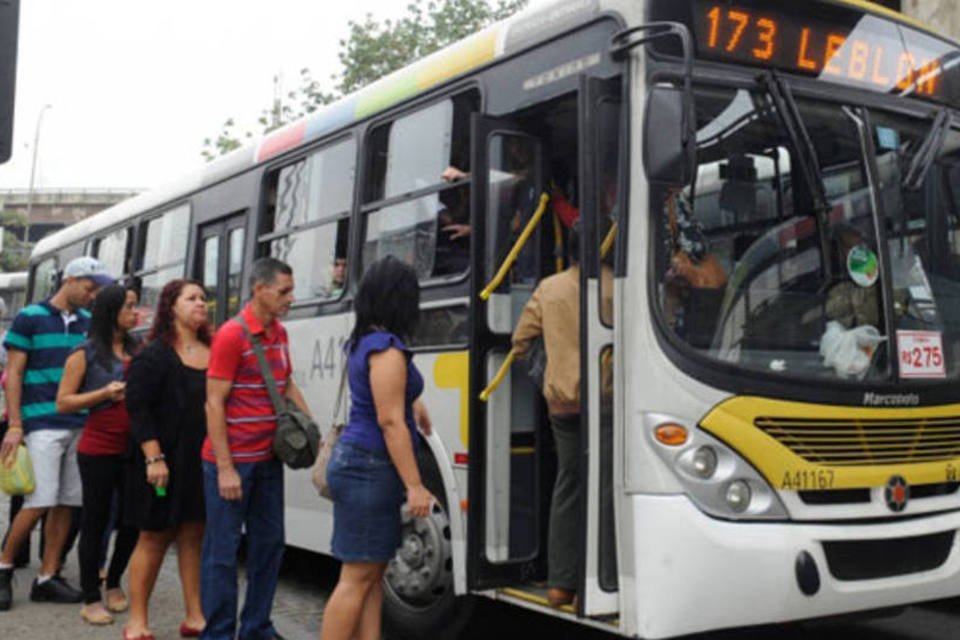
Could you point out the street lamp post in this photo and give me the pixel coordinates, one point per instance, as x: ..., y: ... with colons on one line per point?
x: 33, y: 172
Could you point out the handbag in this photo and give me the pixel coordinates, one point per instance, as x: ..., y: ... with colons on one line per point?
x: 319, y: 473
x: 16, y: 477
x: 297, y: 440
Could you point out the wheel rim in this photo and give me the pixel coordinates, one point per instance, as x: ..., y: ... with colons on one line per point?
x: 419, y: 574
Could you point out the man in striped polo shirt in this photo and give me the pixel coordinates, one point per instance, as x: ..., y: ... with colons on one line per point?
x: 242, y: 480
x: 38, y: 343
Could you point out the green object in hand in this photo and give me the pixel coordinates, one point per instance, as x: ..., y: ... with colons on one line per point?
x: 160, y: 491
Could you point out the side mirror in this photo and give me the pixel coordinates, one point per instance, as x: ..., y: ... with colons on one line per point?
x: 669, y: 136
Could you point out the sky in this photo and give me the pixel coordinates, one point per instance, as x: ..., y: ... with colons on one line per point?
x: 134, y: 86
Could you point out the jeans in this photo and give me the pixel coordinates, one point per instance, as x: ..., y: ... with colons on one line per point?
x: 260, y: 513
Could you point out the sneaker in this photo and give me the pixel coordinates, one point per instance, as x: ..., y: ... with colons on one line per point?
x: 6, y: 592
x: 56, y: 589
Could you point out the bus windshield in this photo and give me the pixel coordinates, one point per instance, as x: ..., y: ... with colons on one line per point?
x: 751, y: 273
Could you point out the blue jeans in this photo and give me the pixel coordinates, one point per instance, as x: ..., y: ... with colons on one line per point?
x: 260, y: 513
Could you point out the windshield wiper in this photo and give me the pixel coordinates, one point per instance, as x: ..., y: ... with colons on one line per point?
x: 782, y: 97
x: 927, y: 152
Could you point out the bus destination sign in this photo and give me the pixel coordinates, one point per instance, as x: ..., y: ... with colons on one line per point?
x: 851, y: 48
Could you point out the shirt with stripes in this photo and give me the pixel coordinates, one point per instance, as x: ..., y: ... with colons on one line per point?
x: 46, y: 335
x: 251, y: 418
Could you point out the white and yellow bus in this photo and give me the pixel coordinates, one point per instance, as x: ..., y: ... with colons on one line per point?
x: 771, y: 412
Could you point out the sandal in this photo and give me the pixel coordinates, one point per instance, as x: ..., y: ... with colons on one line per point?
x: 96, y: 615
x: 116, y: 600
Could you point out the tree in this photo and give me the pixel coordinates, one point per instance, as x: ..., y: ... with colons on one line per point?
x: 371, y: 50
x: 16, y: 252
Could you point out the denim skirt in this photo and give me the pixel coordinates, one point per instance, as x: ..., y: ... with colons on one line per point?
x: 367, y: 495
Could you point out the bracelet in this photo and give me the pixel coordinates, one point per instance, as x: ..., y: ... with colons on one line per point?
x: 157, y: 458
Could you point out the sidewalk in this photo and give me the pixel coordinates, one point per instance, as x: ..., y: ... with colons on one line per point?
x: 304, y: 584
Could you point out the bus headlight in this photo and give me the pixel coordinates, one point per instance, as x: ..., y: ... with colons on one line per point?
x: 738, y: 495
x: 704, y: 462
x: 715, y: 477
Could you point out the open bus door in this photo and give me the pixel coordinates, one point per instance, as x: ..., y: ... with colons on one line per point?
x: 599, y: 131
x: 506, y: 515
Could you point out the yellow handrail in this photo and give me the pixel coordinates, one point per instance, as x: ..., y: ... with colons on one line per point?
x: 558, y: 241
x: 517, y: 246
x: 607, y: 243
x: 497, y: 379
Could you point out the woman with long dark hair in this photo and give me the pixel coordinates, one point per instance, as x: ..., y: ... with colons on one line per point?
x: 93, y: 379
x: 374, y: 462
x: 166, y: 394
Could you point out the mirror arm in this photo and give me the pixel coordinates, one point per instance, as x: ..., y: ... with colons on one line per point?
x: 623, y: 41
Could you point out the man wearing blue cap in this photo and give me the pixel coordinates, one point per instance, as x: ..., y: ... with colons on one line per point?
x: 38, y: 343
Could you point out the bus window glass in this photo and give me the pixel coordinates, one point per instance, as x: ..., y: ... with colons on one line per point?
x: 112, y: 252
x: 440, y: 327
x: 291, y: 205
x: 922, y: 221
x: 427, y: 233
x: 211, y: 271
x: 512, y: 201
x: 44, y: 279
x: 749, y: 274
x: 150, y: 287
x: 318, y: 257
x: 411, y: 153
x: 166, y: 238
x: 608, y: 210
x: 234, y: 270
x: 315, y: 188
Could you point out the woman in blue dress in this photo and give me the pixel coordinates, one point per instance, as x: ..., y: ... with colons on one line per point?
x: 373, y: 469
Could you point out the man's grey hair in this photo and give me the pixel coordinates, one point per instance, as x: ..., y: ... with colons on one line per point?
x: 266, y: 270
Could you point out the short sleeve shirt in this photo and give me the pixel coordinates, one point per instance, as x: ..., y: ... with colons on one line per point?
x: 363, y: 428
x: 251, y: 418
x: 46, y: 335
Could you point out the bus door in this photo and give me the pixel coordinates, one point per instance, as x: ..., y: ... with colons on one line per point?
x: 599, y: 116
x: 220, y: 265
x: 507, y: 512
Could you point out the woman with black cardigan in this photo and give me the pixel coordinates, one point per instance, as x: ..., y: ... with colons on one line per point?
x: 166, y: 394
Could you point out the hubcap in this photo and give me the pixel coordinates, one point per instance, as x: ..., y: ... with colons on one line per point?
x: 419, y: 573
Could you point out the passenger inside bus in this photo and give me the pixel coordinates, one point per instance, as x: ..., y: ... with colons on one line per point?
x: 853, y: 300
x: 694, y: 281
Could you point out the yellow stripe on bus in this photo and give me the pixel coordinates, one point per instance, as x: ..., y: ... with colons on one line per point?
x: 739, y: 421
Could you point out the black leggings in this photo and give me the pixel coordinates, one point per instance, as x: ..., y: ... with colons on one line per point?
x: 102, y: 476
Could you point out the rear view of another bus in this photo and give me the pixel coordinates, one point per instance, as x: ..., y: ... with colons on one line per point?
x: 13, y: 293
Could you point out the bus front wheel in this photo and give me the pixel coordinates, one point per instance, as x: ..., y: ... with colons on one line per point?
x: 418, y: 597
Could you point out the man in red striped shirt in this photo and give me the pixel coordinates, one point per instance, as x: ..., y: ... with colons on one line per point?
x: 243, y: 481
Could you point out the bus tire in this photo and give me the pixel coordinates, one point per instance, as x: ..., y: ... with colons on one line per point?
x: 418, y: 597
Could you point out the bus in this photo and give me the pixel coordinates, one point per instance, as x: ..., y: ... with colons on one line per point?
x: 770, y: 407
x: 13, y: 292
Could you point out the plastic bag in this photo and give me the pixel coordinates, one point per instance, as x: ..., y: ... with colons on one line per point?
x: 16, y: 475
x: 849, y: 351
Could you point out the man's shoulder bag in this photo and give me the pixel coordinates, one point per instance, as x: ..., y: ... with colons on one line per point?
x: 297, y: 440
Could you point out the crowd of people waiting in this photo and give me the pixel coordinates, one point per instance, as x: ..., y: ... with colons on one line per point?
x: 123, y: 432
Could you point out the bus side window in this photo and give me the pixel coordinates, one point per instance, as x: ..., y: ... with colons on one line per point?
x: 426, y: 218
x: 306, y: 219
x: 162, y: 254
x: 44, y: 279
x: 113, y: 250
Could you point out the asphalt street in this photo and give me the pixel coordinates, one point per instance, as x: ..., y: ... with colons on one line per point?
x: 307, y: 580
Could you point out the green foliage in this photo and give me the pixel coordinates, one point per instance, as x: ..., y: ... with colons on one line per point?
x: 15, y: 253
x: 371, y: 50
